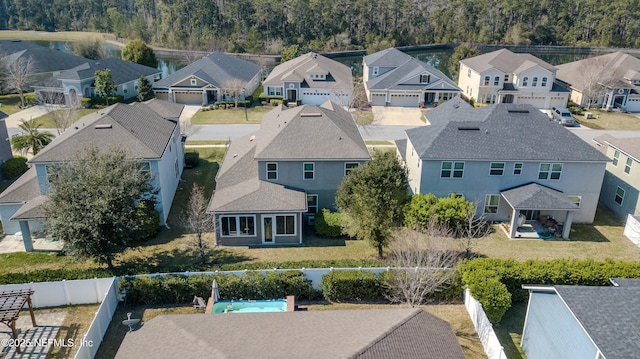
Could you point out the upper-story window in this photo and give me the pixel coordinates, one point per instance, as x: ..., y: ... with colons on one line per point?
x: 308, y: 170
x: 317, y: 76
x: 469, y: 73
x: 194, y: 82
x: 544, y: 82
x: 145, y: 167
x: 506, y: 78
x: 496, y: 81
x: 425, y: 79
x: 312, y: 203
x: 517, y: 168
x: 272, y: 170
x: 486, y: 80
x: 350, y: 166
x: 616, y: 158
x: 534, y: 83
x: 627, y: 166
x: 525, y: 81
x: 51, y: 171
x: 550, y: 171
x: 496, y: 169
x: 375, y: 71
x: 450, y: 169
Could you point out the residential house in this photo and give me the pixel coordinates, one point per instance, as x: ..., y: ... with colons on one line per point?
x: 140, y: 129
x: 393, y: 78
x: 272, y: 180
x: 311, y: 78
x: 208, y: 79
x: 47, y: 62
x: 505, y: 77
x: 363, y: 334
x: 621, y: 185
x: 508, y: 159
x: 565, y: 321
x: 70, y: 86
x: 613, y: 80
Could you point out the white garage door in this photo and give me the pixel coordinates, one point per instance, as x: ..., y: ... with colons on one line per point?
x: 314, y: 99
x: 633, y: 104
x: 537, y: 102
x: 378, y: 99
x: 558, y: 102
x: 188, y: 98
x: 405, y: 100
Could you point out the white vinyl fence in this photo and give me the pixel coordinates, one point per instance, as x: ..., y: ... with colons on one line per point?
x: 484, y: 328
x: 632, y: 229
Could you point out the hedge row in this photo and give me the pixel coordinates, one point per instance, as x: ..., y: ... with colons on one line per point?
x: 328, y: 224
x: 496, y: 283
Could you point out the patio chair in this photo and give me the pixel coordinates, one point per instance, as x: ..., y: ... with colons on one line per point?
x: 199, y: 303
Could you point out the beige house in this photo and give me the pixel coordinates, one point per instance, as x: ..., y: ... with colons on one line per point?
x: 505, y: 77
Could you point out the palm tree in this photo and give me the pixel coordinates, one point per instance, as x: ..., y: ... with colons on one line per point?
x: 31, y: 139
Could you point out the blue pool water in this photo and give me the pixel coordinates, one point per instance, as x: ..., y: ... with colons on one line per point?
x: 249, y: 306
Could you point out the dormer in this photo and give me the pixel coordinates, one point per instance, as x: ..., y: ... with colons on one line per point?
x: 316, y: 76
x: 425, y: 78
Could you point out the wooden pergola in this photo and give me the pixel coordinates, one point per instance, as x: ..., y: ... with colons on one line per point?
x: 11, y: 303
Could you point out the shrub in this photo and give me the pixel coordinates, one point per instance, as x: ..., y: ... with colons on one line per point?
x: 191, y: 159
x: 14, y: 167
x: 149, y: 217
x: 340, y: 285
x: 494, y: 297
x: 275, y: 102
x: 328, y: 223
x: 85, y: 102
x: 298, y: 102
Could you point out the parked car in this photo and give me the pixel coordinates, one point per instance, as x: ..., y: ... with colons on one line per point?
x: 563, y: 116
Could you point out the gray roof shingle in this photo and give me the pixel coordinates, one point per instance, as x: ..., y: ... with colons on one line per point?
x: 215, y: 68
x: 364, y: 334
x: 535, y: 196
x: 630, y: 146
x: 46, y: 59
x: 23, y: 189
x: 297, y: 70
x: 165, y: 109
x: 498, y: 132
x: 505, y: 61
x: 615, y: 66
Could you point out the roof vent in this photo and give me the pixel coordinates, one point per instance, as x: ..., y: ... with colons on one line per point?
x: 252, y: 138
x: 518, y: 111
x: 468, y: 128
x: 101, y: 127
x: 311, y: 114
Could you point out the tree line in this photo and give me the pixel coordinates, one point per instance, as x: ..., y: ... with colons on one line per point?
x: 267, y: 26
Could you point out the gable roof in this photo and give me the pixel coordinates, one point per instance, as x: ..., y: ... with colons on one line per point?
x: 136, y: 128
x: 165, y: 109
x: 615, y: 66
x: 45, y: 59
x: 215, y: 69
x: 505, y: 61
x: 406, y: 68
x: 23, y: 189
x: 310, y: 132
x: 364, y: 334
x: 497, y: 132
x: 630, y: 146
x: 539, y: 197
x: 297, y: 70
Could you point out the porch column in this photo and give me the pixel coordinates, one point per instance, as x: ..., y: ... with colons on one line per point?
x: 514, y: 223
x: 566, y: 229
x: 170, y: 96
x: 26, y: 236
x: 204, y: 97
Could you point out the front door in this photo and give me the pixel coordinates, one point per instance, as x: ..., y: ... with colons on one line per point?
x: 292, y: 95
x: 267, y: 229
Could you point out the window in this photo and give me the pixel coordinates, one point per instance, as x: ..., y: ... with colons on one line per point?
x: 286, y: 225
x: 350, y: 166
x: 235, y: 226
x: 275, y: 91
x: 51, y: 172
x: 616, y: 158
x: 425, y: 79
x: 619, y: 196
x: 312, y: 203
x: 627, y: 166
x: 496, y: 81
x: 506, y: 77
x: 525, y: 81
x: 144, y: 167
x: 517, y: 168
x: 486, y: 80
x: 544, y: 82
x: 469, y: 73
x: 272, y: 170
x: 575, y: 199
x: 194, y: 82
x: 375, y: 71
x: 497, y: 169
x: 308, y: 170
x: 452, y: 169
x: 534, y: 83
x: 491, y: 203
x: 550, y: 171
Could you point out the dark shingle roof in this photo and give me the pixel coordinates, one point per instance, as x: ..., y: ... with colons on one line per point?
x: 610, y: 315
x: 497, y: 132
x: 23, y: 189
x: 46, y: 59
x: 136, y: 128
x: 165, y: 109
x: 625, y: 282
x: 364, y: 334
x: 535, y: 196
x: 297, y: 70
x: 505, y: 61
x: 215, y: 68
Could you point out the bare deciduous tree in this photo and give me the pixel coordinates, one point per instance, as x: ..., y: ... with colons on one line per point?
x: 423, y: 262
x: 18, y: 73
x: 197, y: 221
x: 234, y: 88
x: 595, y: 74
x: 63, y: 116
x: 358, y: 96
x: 475, y: 228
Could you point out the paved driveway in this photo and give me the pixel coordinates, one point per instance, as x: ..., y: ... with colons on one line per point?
x: 396, y: 116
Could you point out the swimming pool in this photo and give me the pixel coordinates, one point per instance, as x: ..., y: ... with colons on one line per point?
x: 249, y: 306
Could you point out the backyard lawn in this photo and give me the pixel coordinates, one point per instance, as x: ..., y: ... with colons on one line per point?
x: 46, y: 121
x: 50, y: 35
x: 610, y: 120
x: 9, y: 103
x: 230, y: 116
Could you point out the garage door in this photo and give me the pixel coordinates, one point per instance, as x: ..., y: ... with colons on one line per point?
x: 378, y: 99
x: 188, y: 98
x: 537, y: 102
x: 633, y: 104
x: 405, y: 100
x: 162, y: 96
x: 558, y: 102
x: 313, y: 99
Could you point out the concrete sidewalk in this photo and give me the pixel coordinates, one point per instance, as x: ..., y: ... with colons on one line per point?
x: 32, y: 112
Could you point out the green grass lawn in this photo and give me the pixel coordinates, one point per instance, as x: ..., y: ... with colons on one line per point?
x: 610, y: 120
x: 230, y: 116
x: 509, y: 331
x: 363, y: 117
x: 46, y: 120
x: 10, y: 103
x: 50, y: 36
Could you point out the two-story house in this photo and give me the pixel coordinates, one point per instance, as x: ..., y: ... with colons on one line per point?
x: 508, y: 159
x: 209, y: 79
x: 621, y: 186
x: 71, y: 85
x: 150, y: 133
x: 311, y: 78
x: 272, y: 180
x: 612, y: 81
x: 505, y: 77
x: 393, y: 78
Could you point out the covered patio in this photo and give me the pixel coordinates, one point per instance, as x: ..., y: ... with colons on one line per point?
x: 535, y: 207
